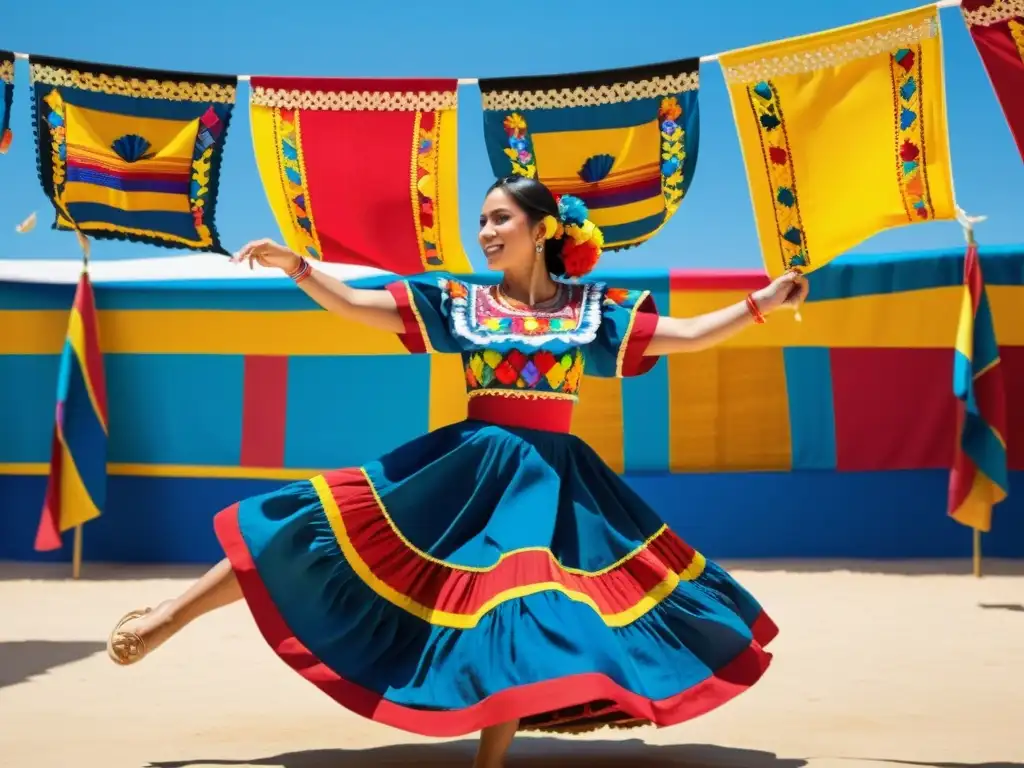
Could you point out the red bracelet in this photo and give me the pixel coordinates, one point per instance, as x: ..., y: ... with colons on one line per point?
x: 754, y: 311
x: 301, y: 272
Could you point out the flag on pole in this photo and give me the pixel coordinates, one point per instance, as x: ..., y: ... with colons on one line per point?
x: 979, y: 478
x: 76, y: 491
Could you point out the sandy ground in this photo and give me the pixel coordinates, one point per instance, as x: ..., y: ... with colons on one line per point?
x: 877, y: 665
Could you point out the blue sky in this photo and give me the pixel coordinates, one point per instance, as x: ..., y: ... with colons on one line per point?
x: 714, y: 227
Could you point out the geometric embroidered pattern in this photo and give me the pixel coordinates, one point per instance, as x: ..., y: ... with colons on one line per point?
x: 905, y: 65
x: 540, y: 372
x: 994, y: 13
x: 355, y: 101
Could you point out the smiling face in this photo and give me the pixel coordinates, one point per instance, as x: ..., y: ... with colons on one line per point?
x: 508, y: 239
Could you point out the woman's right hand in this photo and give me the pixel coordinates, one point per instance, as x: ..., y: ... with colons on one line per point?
x: 267, y: 253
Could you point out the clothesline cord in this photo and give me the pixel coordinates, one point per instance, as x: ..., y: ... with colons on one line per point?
x: 703, y: 59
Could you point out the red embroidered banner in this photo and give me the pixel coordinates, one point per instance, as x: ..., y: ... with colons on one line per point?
x: 362, y: 171
x: 997, y: 28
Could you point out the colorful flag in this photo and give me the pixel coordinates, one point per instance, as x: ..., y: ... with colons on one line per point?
x: 843, y: 135
x: 76, y: 491
x: 132, y: 154
x: 979, y: 478
x: 6, y: 99
x: 997, y: 28
x: 362, y: 171
x: 624, y: 141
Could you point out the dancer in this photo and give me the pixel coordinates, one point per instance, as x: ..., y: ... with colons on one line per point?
x: 492, y: 575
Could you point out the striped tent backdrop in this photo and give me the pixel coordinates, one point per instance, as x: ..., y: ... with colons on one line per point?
x: 625, y: 141
x: 862, y: 384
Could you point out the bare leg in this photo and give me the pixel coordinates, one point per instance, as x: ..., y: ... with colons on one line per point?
x: 494, y: 743
x: 215, y: 588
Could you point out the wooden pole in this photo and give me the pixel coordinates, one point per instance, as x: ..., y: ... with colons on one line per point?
x: 76, y: 554
x: 977, y: 553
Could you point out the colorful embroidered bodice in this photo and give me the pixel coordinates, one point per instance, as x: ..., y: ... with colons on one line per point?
x: 523, y: 353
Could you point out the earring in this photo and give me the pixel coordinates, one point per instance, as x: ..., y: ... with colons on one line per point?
x: 540, y: 248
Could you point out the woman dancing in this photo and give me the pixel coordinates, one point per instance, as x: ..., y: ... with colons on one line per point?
x: 492, y: 575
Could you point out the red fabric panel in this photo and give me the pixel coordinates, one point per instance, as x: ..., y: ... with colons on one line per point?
x: 1004, y: 63
x: 264, y: 411
x: 1013, y: 377
x: 85, y: 303
x: 717, y: 279
x: 894, y: 408
x: 357, y: 169
x: 358, y: 172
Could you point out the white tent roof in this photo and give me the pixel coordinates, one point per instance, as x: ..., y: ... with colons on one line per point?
x: 187, y: 267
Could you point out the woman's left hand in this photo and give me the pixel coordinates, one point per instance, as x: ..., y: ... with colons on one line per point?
x: 788, y: 290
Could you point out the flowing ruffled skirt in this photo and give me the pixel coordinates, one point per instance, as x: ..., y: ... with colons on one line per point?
x: 481, y: 574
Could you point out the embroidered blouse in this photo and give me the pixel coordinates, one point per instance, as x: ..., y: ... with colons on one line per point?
x: 528, y: 353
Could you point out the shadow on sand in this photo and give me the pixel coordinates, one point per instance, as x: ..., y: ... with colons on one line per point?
x: 547, y: 753
x: 526, y: 753
x: 1012, y: 607
x: 25, y: 659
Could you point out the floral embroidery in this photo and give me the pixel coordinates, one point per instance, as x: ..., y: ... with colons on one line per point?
x: 58, y: 143
x: 620, y: 296
x: 764, y: 101
x: 207, y: 137
x: 292, y: 171
x: 541, y: 371
x: 479, y: 319
x: 520, y: 148
x: 673, y: 153
x: 910, y: 160
x: 424, y: 187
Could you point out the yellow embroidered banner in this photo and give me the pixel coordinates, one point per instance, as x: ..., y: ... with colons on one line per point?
x: 843, y: 135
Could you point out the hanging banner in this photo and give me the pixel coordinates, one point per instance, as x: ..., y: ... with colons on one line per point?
x: 624, y: 141
x: 131, y: 154
x: 843, y: 135
x: 362, y: 171
x: 997, y: 28
x: 6, y: 99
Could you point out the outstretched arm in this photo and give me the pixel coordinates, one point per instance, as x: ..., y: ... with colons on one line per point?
x: 376, y: 309
x: 692, y: 334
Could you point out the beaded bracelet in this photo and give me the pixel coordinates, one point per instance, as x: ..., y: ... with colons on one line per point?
x: 302, y: 271
x: 754, y: 311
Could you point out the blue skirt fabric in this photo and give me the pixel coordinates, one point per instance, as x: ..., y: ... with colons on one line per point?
x: 481, y: 574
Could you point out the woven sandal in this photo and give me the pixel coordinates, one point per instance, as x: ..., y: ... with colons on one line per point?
x: 123, y: 646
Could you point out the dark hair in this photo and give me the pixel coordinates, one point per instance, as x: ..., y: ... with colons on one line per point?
x: 537, y: 202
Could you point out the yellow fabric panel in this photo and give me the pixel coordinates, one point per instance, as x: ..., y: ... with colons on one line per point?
x: 692, y: 410
x: 729, y: 410
x: 925, y: 318
x: 446, y: 204
x: 597, y: 419
x: 1007, y: 303
x: 77, y: 507
x: 448, y: 401
x: 265, y: 147
x: 561, y: 154
x: 826, y: 123
x: 95, y: 131
x: 213, y: 332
